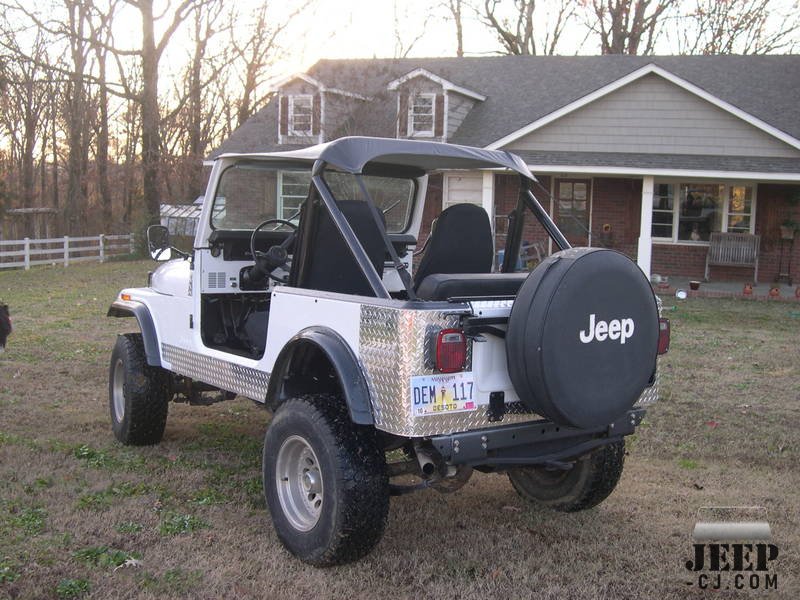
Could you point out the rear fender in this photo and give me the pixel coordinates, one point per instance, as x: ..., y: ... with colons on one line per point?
x: 318, y: 360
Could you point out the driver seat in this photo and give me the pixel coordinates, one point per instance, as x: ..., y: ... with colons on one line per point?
x: 330, y: 266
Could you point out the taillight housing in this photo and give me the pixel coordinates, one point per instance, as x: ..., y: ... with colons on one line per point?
x: 663, y: 335
x: 451, y: 351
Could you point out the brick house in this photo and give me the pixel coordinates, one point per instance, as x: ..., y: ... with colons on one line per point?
x: 648, y: 155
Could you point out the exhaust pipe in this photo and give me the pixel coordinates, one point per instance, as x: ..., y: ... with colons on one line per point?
x: 425, y: 460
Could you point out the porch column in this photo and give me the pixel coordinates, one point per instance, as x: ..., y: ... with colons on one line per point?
x: 487, y: 195
x: 645, y: 251
x: 487, y: 201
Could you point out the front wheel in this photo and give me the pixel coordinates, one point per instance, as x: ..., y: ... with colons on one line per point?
x: 590, y: 481
x: 138, y: 394
x: 325, y: 481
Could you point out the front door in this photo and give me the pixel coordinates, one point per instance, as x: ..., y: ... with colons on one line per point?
x: 571, y: 207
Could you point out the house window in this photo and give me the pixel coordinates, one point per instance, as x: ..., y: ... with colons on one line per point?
x: 690, y: 212
x: 421, y: 114
x: 292, y: 191
x: 300, y: 115
x: 740, y: 209
x: 663, y: 209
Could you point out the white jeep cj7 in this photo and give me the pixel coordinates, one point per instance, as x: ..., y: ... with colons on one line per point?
x: 299, y: 295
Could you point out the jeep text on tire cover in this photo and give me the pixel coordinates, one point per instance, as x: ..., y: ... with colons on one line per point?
x: 616, y: 329
x: 299, y: 294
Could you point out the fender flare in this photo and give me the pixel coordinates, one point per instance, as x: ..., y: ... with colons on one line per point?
x: 146, y: 325
x: 345, y: 365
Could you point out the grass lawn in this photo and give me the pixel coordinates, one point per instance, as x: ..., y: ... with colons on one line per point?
x: 82, y: 516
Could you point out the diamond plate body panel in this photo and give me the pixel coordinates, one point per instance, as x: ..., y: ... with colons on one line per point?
x: 649, y: 395
x: 225, y: 375
x: 393, y: 347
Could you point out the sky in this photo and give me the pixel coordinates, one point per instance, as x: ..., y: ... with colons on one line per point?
x: 366, y: 29
x: 361, y: 29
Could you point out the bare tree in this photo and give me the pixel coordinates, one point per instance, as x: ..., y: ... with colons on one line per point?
x: 150, y: 53
x: 254, y: 50
x: 528, y: 28
x: 404, y: 44
x: 189, y: 128
x: 76, y: 115
x: 455, y: 6
x: 101, y: 35
x: 738, y: 27
x: 628, y: 26
x: 23, y: 109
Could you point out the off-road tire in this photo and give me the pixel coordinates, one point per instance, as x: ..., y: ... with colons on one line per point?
x: 587, y: 484
x: 144, y: 393
x: 352, y: 469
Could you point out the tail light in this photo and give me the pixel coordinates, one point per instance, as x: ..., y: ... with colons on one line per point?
x: 663, y: 335
x: 451, y: 351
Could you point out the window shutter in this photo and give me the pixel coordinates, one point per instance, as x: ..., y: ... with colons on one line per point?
x: 316, y: 114
x: 284, y: 116
x: 438, y: 123
x: 402, y: 117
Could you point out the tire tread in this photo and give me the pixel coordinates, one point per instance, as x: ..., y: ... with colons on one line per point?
x: 146, y: 387
x: 362, y: 472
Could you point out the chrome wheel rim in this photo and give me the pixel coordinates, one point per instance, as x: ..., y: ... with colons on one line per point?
x: 118, y: 391
x: 298, y: 479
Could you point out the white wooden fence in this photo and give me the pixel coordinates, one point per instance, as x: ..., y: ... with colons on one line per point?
x: 27, y: 252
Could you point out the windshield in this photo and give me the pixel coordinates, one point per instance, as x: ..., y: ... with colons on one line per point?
x: 249, y: 193
x: 392, y: 196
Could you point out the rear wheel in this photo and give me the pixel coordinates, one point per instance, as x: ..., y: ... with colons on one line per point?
x: 590, y: 481
x: 138, y: 394
x: 325, y: 481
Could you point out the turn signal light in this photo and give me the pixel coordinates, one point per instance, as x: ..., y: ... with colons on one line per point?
x: 663, y: 335
x: 451, y: 351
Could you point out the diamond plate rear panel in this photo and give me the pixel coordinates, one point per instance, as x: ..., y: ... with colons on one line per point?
x: 393, y: 347
x: 227, y: 376
x: 649, y: 395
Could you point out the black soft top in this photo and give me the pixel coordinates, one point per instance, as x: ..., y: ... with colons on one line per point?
x: 352, y: 154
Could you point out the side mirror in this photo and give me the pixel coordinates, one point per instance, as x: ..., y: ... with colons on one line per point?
x: 158, y: 242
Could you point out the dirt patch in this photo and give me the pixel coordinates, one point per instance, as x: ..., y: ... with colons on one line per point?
x: 82, y: 515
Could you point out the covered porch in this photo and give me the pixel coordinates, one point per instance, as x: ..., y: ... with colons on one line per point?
x: 664, y: 218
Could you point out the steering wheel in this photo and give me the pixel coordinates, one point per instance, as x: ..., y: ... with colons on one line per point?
x: 276, y: 256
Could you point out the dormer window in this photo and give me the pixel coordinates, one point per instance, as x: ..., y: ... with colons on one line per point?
x: 301, y: 111
x: 421, y: 115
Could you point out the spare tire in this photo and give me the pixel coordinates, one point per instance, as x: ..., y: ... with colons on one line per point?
x: 582, y: 337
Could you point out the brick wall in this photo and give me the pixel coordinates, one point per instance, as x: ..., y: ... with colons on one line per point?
x: 616, y: 213
x: 433, y: 208
x: 683, y: 260
x: 773, y: 206
x: 506, y: 194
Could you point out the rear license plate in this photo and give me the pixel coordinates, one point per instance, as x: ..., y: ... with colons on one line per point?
x: 442, y: 394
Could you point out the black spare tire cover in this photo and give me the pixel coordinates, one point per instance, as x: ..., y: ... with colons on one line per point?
x: 583, y: 337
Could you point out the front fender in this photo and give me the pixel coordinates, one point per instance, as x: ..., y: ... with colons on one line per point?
x: 129, y: 308
x: 344, y: 363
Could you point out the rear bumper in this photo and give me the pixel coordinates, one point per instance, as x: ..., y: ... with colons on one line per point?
x: 538, y: 442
